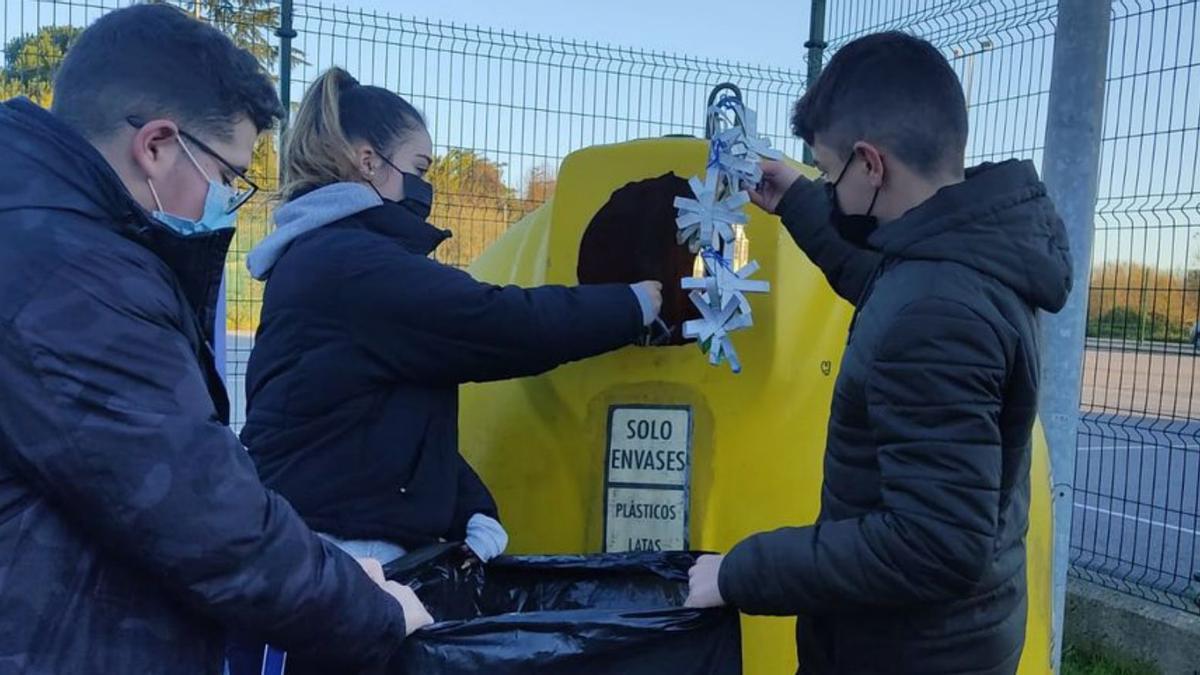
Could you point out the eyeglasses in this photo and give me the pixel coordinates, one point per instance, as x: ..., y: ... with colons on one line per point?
x: 243, y: 188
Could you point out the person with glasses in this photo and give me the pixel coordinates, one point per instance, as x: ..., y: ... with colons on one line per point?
x: 228, y: 193
x: 917, y: 562
x: 135, y: 534
x: 352, y: 387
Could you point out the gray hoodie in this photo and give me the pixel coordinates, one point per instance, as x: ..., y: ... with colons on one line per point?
x: 306, y: 213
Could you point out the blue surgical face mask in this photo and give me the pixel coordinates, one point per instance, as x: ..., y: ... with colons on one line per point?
x: 213, y: 219
x: 216, y: 215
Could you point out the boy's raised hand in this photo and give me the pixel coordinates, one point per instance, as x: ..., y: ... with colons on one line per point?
x: 778, y: 176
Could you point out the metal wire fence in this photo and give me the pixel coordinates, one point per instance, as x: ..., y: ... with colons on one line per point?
x: 1137, y: 478
x: 505, y: 107
x: 509, y: 106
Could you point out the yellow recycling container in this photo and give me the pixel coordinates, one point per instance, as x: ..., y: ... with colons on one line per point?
x: 651, y: 447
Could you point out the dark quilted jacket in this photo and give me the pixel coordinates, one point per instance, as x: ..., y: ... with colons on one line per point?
x: 917, y: 562
x: 353, y: 383
x: 133, y: 529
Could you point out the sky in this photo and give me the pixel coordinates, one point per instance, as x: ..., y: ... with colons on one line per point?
x: 767, y: 32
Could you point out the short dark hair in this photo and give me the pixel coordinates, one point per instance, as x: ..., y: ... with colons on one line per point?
x: 155, y: 61
x: 894, y: 90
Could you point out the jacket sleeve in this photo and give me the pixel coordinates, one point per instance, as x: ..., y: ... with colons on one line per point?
x: 109, y: 417
x: 473, y: 497
x: 934, y: 396
x: 805, y: 210
x: 432, y: 323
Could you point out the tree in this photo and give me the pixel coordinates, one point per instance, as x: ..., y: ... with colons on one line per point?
x: 249, y: 23
x: 30, y: 62
x: 35, y: 58
x: 1132, y: 300
x: 472, y: 201
x: 539, y: 185
x: 469, y: 176
x: 477, y: 205
x: 39, y: 94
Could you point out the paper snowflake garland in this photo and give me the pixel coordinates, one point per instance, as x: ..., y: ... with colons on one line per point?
x: 706, y: 224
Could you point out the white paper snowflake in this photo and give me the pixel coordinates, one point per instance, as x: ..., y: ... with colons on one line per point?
x: 724, y: 286
x: 713, y: 328
x: 706, y: 220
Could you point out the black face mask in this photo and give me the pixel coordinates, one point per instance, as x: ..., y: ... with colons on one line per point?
x: 856, y: 228
x: 418, y: 193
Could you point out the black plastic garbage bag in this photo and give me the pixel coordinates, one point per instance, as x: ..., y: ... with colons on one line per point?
x: 583, y: 615
x: 618, y: 614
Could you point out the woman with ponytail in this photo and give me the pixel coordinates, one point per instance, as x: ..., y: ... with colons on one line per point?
x: 353, y: 382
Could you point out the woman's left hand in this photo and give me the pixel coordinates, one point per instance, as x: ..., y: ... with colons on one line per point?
x: 486, y: 537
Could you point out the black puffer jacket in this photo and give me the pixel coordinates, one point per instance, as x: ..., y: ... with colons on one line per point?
x: 134, y: 532
x: 353, y: 382
x: 917, y: 562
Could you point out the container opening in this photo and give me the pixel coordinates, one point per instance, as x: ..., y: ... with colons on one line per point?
x: 453, y: 591
x: 632, y: 239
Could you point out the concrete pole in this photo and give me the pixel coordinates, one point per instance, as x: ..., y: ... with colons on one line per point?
x: 1070, y: 170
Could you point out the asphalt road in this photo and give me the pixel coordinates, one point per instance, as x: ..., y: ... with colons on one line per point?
x: 1137, y: 501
